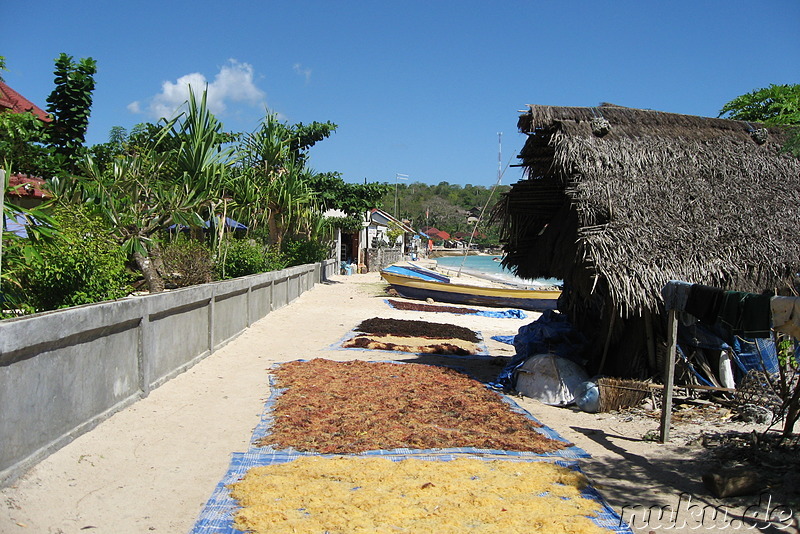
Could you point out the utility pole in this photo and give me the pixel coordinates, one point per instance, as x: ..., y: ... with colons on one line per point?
x: 397, y: 177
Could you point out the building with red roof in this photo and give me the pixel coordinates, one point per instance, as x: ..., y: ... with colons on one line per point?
x: 12, y: 101
x: 27, y: 191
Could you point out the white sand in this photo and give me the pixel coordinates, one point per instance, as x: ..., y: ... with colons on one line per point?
x: 152, y: 466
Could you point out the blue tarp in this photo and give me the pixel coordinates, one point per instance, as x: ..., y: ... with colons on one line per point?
x: 217, y: 515
x: 551, y: 333
x: 230, y: 224
x: 500, y: 314
x: 16, y: 225
x: 749, y: 354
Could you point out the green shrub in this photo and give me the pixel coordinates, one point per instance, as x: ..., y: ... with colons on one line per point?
x: 81, y: 264
x: 239, y: 257
x: 187, y: 262
x: 300, y: 251
x: 274, y: 261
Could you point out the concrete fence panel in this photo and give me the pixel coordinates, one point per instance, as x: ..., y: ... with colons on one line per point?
x: 63, y: 372
x: 280, y: 293
x: 231, y: 310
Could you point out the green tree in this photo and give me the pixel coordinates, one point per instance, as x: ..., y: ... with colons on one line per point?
x: 776, y: 105
x: 22, y: 145
x: 70, y: 104
x: 144, y: 193
x: 272, y: 186
x: 354, y: 199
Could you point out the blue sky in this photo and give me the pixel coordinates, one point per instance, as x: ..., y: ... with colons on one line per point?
x: 420, y: 88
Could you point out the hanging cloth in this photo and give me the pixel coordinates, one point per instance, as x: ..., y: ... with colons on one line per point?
x: 746, y: 314
x: 675, y: 294
x: 786, y: 315
x: 705, y: 303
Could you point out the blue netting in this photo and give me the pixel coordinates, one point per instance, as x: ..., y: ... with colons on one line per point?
x: 217, y: 515
x: 502, y: 314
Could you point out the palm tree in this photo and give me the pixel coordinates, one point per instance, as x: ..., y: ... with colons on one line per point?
x: 272, y: 187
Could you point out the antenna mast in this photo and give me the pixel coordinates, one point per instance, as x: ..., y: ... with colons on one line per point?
x: 491, y: 193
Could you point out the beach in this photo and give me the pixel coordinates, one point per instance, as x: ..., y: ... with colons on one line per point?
x: 152, y: 466
x: 486, y: 267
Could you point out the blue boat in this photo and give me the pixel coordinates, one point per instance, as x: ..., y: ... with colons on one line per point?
x: 419, y: 272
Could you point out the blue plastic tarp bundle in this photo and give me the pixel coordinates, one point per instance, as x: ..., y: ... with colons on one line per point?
x: 749, y: 354
x: 756, y: 354
x: 551, y: 333
x: 505, y: 314
x: 501, y: 314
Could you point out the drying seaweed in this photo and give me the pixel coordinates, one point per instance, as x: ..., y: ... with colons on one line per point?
x: 456, y: 347
x: 405, y: 327
x: 356, y: 406
x: 313, y: 494
x: 414, y: 306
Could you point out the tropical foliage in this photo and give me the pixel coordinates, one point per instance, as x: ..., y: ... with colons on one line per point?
x: 448, y: 207
x: 776, y: 105
x: 70, y: 104
x: 166, y: 198
x: 81, y: 263
x: 179, y: 201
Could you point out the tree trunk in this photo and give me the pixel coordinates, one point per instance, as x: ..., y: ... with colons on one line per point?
x: 155, y: 282
x: 275, y: 237
x: 792, y: 412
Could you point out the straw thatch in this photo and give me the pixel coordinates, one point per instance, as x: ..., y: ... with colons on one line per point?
x: 618, y: 201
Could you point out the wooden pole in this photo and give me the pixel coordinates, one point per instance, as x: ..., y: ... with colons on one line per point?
x: 608, y: 341
x: 651, y: 344
x: 2, y: 211
x: 669, y: 375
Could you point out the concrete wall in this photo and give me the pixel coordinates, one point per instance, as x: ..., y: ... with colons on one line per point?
x: 378, y: 258
x: 63, y: 372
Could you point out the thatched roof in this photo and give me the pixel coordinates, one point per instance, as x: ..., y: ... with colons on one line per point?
x: 630, y: 199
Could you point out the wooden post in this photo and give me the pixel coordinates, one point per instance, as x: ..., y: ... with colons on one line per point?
x: 2, y: 211
x: 669, y: 375
x: 651, y: 344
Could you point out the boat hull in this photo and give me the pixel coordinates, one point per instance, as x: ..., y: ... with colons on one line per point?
x: 419, y: 289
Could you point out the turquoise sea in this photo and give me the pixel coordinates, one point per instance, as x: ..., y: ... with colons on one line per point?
x: 487, y: 267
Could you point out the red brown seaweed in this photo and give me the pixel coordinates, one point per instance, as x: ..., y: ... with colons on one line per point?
x: 356, y: 406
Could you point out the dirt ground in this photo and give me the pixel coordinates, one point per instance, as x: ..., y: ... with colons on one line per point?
x: 152, y: 466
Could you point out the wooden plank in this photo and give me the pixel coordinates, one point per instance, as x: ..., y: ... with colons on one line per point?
x: 669, y: 375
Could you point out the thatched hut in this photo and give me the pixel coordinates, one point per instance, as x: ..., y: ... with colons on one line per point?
x: 618, y: 201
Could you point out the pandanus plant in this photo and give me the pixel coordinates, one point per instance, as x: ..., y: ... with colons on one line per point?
x: 272, y: 185
x: 150, y: 191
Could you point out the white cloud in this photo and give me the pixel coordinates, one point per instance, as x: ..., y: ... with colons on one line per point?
x: 233, y: 83
x: 305, y: 72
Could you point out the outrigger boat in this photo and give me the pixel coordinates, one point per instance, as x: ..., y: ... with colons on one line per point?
x: 421, y: 284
